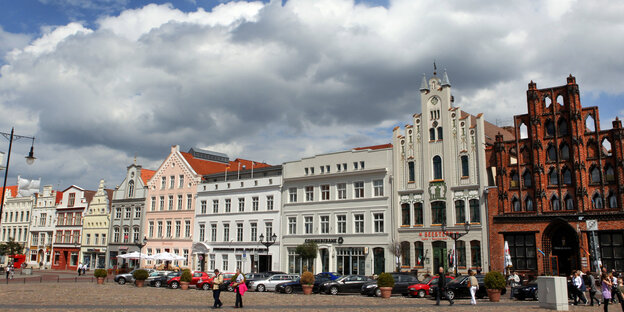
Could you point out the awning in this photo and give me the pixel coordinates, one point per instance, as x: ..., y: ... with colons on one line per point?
x: 200, y: 248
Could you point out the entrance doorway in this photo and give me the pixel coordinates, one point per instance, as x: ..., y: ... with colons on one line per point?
x: 324, y: 253
x: 561, y: 242
x: 379, y: 260
x: 264, y: 263
x: 439, y: 256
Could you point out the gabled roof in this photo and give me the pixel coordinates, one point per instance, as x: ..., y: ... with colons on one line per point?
x: 59, y: 197
x: 246, y: 163
x: 75, y: 186
x: 89, y: 195
x: 374, y: 147
x: 203, y: 167
x: 12, y: 188
x: 147, y: 174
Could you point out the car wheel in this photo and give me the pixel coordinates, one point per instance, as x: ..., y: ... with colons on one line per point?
x: 260, y: 288
x: 157, y: 283
x: 333, y: 290
x: 206, y: 286
x: 377, y: 292
x: 421, y: 293
x: 175, y: 285
x: 121, y: 281
x: 450, y: 294
x: 288, y: 289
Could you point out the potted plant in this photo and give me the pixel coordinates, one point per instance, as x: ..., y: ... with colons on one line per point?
x: 385, y: 282
x: 139, y: 277
x: 101, y: 275
x: 307, y: 251
x: 494, y: 283
x: 307, y: 282
x: 185, y: 279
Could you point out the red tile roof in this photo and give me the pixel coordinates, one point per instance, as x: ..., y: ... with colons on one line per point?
x: 59, y: 197
x: 89, y: 195
x: 374, y: 147
x: 203, y: 167
x: 147, y: 174
x: 12, y: 188
x: 246, y: 163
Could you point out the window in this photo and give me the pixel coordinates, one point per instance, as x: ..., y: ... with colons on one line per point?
x: 378, y: 188
x: 179, y: 203
x: 522, y: 250
x: 137, y: 212
x: 78, y: 220
x: 181, y: 182
x: 440, y: 133
x: 550, y: 128
x: 358, y: 188
x: 341, y: 225
x: 268, y: 227
x: 594, y: 175
x: 342, y: 190
x: 226, y: 232
x: 170, y: 206
x: 270, y: 202
x: 118, y: 213
x: 178, y: 225
x: 515, y: 179
x: 612, y: 200
x: 87, y: 240
x: 325, y: 192
x: 527, y: 179
x: 461, y: 253
x: 567, y: 176
x: 551, y: 153
x: 324, y: 224
x: 126, y: 234
x: 564, y: 150
x: 186, y: 256
x: 437, y: 168
x: 203, y: 207
x: 553, y: 177
x: 554, y: 203
x: 609, y: 173
x: 151, y: 230
x: 309, y: 193
x: 162, y: 203
x: 292, y: 192
x: 168, y: 229
x: 163, y: 183
x: 355, y: 165
x: 189, y: 201
x: 438, y: 212
x: 135, y: 234
x: 431, y: 134
x: 405, y: 214
x: 159, y: 230
x: 241, y: 204
x: 212, y: 262
x: 412, y: 174
x: 358, y: 223
x: 153, y: 206
x: 239, y: 232
x: 308, y: 223
x: 239, y: 262
x: 224, y: 259
x: 460, y: 211
x: 254, y: 231
x: 131, y: 189
x: 215, y: 206
x: 475, y: 253
x: 597, y: 202
x: 405, y: 254
x: 475, y: 212
x: 464, y: 166
x: 292, y: 225
x: 171, y: 182
x: 128, y: 212
x: 418, y: 214
x: 228, y: 205
x: 611, y: 249
x: 528, y: 202
x: 187, y: 228
x: 254, y: 203
x: 72, y: 200
x: 213, y: 232
x: 419, y: 253
x: 378, y: 221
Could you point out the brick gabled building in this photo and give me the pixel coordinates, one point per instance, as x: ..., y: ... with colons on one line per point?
x: 560, y: 174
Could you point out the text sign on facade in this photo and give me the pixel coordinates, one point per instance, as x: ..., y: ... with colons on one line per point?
x: 433, y: 235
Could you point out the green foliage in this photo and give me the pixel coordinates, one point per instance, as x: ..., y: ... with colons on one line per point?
x: 385, y: 280
x: 100, y: 273
x: 494, y: 280
x: 186, y: 276
x: 307, y: 250
x: 11, y: 247
x: 140, y: 275
x: 307, y: 278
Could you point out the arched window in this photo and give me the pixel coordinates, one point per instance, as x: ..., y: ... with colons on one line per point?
x: 606, y: 147
x: 438, y: 212
x: 597, y: 201
x: 131, y: 188
x: 405, y: 214
x: 550, y: 128
x: 594, y: 173
x: 464, y: 166
x: 569, y: 202
x: 524, y: 132
x: 527, y: 179
x: 612, y: 200
x: 567, y: 176
x: 440, y: 133
x: 551, y: 153
x: 525, y: 155
x: 405, y: 254
x: 560, y: 100
x: 564, y: 150
x: 460, y: 211
x: 590, y: 123
x: 547, y: 101
x: 563, y: 127
x: 553, y: 178
x: 609, y: 173
x: 554, y: 203
x: 437, y: 168
x: 515, y: 179
x: 515, y: 204
x: 592, y: 149
x: 412, y: 174
x: 431, y: 134
x: 419, y: 253
x: 513, y: 156
x: 528, y: 203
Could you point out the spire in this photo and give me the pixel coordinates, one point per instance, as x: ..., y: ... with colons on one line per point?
x: 445, y: 79
x: 435, y: 68
x: 423, y: 85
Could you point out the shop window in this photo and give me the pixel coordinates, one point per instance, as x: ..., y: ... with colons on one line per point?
x: 405, y: 254
x: 522, y: 250
x: 612, y: 250
x: 461, y: 253
x: 475, y: 253
x: 419, y: 253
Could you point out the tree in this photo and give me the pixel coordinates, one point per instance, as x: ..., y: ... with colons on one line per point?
x: 307, y: 251
x: 397, y: 250
x: 11, y: 248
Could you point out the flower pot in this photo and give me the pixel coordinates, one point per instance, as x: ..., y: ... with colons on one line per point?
x: 494, y: 294
x: 100, y: 280
x: 307, y: 289
x: 386, y: 292
x: 139, y: 283
x: 184, y: 285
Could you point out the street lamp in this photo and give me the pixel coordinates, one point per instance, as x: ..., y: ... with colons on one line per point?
x: 455, y: 236
x: 140, y: 244
x: 30, y: 159
x: 268, y: 243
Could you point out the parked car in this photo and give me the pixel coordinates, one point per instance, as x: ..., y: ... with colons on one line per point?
x: 161, y: 280
x: 295, y: 286
x: 206, y: 283
x: 528, y: 291
x: 127, y: 277
x: 327, y: 275
x: 345, y: 284
x: 250, y: 277
x: 421, y: 289
x: 457, y: 288
x: 269, y: 283
x: 401, y: 282
x: 196, y: 276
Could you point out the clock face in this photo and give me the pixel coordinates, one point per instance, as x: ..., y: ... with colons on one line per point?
x: 434, y: 100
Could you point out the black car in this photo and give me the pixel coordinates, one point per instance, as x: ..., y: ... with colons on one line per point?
x: 162, y: 279
x: 457, y: 288
x: 528, y: 291
x: 401, y: 282
x: 345, y: 284
x: 295, y: 286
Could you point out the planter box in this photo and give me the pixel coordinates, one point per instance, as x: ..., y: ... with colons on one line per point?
x: 553, y: 292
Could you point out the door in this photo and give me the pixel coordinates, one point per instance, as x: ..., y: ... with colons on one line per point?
x: 439, y: 256
x: 380, y: 260
x: 264, y: 263
x: 324, y: 253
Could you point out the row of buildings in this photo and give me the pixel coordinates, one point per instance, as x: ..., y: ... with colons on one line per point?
x: 550, y: 186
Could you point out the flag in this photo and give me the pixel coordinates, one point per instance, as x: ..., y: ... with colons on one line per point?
x: 507, y: 259
x: 238, y: 171
x: 419, y: 260
x: 226, y: 169
x: 252, y: 164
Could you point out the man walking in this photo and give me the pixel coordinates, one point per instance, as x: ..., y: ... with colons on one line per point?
x: 442, y: 286
x: 216, y: 289
x: 592, y: 288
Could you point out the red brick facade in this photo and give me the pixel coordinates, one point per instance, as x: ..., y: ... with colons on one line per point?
x: 560, y: 171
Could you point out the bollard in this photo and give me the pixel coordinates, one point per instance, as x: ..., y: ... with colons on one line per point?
x: 75, y: 280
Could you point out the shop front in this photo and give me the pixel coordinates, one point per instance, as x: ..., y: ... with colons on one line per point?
x: 94, y: 258
x: 65, y: 258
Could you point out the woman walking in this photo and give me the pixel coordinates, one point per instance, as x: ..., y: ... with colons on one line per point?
x: 239, y: 287
x: 216, y: 289
x: 606, y: 290
x: 474, y: 285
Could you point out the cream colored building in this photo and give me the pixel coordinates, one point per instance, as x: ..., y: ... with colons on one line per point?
x: 95, y: 228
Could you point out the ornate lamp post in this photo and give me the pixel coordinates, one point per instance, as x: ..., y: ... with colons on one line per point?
x: 455, y: 236
x: 268, y: 243
x: 30, y: 159
x: 140, y: 244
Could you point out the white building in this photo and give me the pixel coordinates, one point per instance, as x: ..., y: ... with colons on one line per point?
x: 441, y: 178
x: 232, y: 214
x: 342, y: 202
x: 42, y: 227
x: 17, y: 208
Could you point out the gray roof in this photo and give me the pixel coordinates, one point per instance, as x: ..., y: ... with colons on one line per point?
x: 424, y: 85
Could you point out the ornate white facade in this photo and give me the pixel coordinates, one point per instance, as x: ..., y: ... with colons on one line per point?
x: 42, y: 228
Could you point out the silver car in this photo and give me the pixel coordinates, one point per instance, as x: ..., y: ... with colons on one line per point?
x: 269, y: 283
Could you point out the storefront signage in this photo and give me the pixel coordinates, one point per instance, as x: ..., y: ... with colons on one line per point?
x: 338, y: 240
x: 433, y: 235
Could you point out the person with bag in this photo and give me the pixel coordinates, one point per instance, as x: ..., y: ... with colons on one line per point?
x: 217, y: 282
x: 473, y: 286
x: 606, y: 285
x: 239, y: 287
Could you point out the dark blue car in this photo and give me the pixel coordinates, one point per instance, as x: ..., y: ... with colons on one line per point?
x: 295, y: 286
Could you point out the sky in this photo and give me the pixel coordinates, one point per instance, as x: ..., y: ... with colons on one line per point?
x: 101, y: 82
